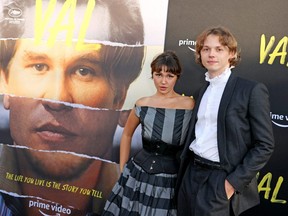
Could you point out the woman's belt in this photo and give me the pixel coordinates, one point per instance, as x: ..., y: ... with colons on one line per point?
x: 160, y: 147
x: 154, y: 159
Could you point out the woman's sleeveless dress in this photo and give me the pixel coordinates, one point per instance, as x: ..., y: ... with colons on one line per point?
x: 146, y: 185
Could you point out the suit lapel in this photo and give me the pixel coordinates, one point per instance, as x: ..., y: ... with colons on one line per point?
x: 197, y: 104
x: 191, y: 133
x: 221, y: 126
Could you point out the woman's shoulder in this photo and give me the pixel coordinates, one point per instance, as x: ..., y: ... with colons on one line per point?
x: 186, y: 102
x: 144, y: 101
x: 179, y: 102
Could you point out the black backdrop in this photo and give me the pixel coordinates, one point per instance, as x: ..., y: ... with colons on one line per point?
x: 249, y: 21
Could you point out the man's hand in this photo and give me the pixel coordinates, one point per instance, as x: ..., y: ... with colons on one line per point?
x: 229, y: 189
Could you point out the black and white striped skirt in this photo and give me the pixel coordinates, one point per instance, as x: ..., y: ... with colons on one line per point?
x: 140, y: 193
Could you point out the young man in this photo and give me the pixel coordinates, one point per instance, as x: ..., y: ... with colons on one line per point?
x: 230, y: 137
x: 64, y: 98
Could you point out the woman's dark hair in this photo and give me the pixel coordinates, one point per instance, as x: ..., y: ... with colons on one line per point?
x: 170, y: 60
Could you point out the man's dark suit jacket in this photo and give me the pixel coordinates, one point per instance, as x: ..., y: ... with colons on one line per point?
x: 244, y: 135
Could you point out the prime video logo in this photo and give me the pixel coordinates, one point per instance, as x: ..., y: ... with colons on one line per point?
x: 189, y: 43
x: 279, y: 120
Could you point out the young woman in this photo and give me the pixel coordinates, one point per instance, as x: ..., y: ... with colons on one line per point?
x: 146, y: 185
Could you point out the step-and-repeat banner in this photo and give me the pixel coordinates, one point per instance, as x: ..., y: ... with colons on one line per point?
x: 71, y: 70
x: 260, y: 28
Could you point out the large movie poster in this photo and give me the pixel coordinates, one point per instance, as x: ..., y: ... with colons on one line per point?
x: 260, y: 26
x: 70, y: 72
